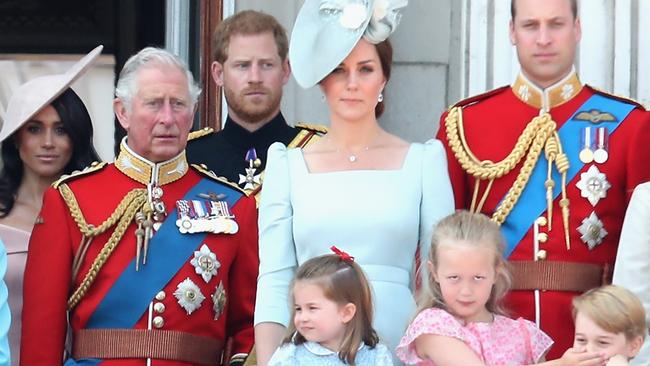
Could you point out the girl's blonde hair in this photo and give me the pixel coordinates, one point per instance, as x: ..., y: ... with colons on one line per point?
x: 474, y: 230
x: 342, y: 281
x: 614, y: 309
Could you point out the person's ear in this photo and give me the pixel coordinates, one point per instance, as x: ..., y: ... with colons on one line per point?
x: 286, y: 71
x: 347, y: 312
x: 578, y: 29
x: 122, y: 114
x: 634, y: 346
x: 216, y: 69
x: 511, y: 33
x: 432, y: 271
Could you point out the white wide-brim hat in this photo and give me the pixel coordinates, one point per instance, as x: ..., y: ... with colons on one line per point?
x: 31, y: 97
x: 326, y: 31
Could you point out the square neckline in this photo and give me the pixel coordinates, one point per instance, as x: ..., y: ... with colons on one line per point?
x: 306, y: 169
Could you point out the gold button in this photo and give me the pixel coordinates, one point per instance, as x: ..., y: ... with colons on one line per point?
x: 158, y: 322
x: 541, y: 221
x: 542, y: 237
x: 159, y: 307
x: 160, y: 296
x: 541, y: 255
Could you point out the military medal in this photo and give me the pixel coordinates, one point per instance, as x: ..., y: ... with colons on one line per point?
x: 195, y: 216
x: 601, y: 155
x: 586, y: 155
x: 592, y: 230
x: 250, y: 180
x: 593, y: 185
x: 205, y: 263
x: 218, y: 300
x: 189, y: 296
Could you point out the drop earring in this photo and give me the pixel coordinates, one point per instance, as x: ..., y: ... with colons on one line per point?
x: 380, y: 98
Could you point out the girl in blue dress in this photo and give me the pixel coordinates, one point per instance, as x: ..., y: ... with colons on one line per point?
x: 332, y: 316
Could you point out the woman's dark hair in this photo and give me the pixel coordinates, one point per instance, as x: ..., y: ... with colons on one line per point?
x: 76, y: 121
x: 385, y: 52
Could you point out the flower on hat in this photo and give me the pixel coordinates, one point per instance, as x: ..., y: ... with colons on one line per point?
x: 381, y: 10
x: 384, y: 20
x: 352, y: 16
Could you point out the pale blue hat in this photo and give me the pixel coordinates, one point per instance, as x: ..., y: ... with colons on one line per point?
x: 326, y: 31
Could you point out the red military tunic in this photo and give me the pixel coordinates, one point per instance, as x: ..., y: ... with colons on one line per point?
x: 492, y: 124
x: 54, y: 244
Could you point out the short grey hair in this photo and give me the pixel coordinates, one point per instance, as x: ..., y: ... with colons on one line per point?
x: 126, y: 85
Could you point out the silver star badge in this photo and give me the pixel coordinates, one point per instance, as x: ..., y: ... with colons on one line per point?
x: 189, y: 295
x: 219, y: 300
x: 205, y: 263
x: 593, y: 185
x: 592, y: 230
x: 250, y: 180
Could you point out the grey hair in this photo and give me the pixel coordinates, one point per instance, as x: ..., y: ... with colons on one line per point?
x: 126, y: 85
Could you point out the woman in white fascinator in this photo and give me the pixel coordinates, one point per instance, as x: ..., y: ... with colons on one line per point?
x: 370, y: 193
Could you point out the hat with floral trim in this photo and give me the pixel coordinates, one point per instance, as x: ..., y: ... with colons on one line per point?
x: 326, y: 31
x: 34, y: 95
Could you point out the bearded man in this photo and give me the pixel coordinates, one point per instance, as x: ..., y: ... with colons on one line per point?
x: 251, y: 66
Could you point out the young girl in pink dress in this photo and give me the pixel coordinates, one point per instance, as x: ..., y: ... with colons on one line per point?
x: 460, y: 319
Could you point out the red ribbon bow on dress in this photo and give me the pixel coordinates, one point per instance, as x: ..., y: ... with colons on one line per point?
x: 343, y: 255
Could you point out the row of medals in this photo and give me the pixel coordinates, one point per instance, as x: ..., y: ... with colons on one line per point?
x: 593, y: 184
x: 205, y: 262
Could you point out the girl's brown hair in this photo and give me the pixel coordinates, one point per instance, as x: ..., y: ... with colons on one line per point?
x: 470, y: 229
x: 342, y: 281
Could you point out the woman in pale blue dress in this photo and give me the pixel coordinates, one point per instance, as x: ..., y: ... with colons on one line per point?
x: 360, y: 188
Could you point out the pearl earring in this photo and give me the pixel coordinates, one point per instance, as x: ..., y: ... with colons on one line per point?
x: 380, y: 98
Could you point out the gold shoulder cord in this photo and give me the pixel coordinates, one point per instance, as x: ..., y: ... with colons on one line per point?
x: 538, y: 135
x: 133, y: 202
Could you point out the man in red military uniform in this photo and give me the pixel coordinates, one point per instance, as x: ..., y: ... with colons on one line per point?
x: 554, y: 162
x: 148, y: 261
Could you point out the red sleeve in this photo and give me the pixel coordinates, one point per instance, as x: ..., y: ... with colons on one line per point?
x: 243, y: 279
x: 638, y: 154
x: 47, y: 285
x: 456, y: 173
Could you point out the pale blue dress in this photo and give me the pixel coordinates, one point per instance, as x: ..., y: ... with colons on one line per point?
x: 378, y: 216
x: 313, y: 354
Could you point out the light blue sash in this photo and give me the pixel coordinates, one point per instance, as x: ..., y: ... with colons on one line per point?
x: 532, y: 202
x: 129, y: 297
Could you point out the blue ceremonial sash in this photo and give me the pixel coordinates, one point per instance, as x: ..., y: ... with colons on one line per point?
x: 129, y: 297
x: 532, y: 202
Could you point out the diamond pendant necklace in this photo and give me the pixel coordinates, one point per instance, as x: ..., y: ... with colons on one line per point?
x: 353, y: 157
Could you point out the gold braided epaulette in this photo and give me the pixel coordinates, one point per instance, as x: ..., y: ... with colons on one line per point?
x: 622, y: 98
x: 320, y: 129
x: 95, y: 166
x: 201, y: 168
x: 200, y: 133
